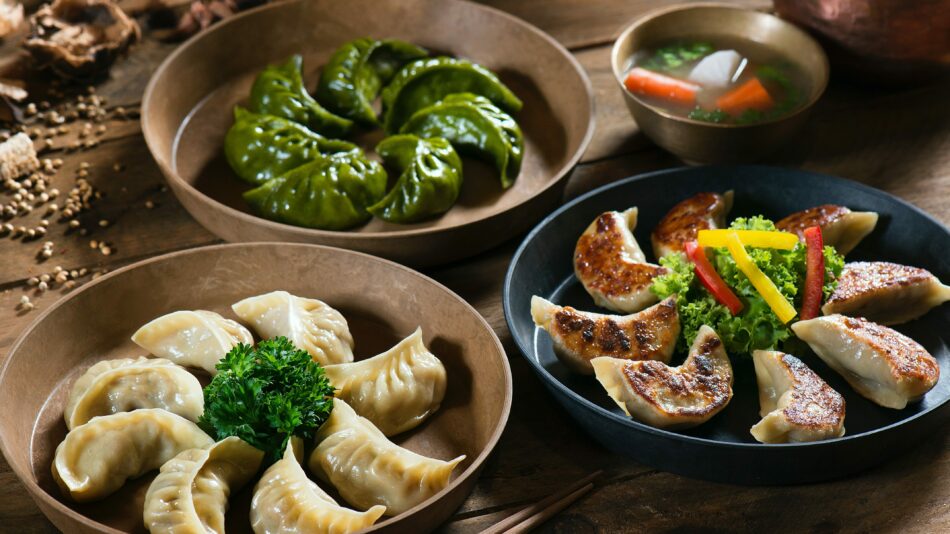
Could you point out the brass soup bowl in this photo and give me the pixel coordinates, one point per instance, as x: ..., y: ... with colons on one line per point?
x: 706, y: 142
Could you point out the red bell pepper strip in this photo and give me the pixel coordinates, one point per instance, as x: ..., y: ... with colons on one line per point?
x: 814, y: 273
x: 711, y: 279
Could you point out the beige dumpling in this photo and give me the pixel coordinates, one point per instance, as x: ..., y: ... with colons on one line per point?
x: 98, y: 457
x: 581, y: 336
x: 192, y: 338
x: 287, y: 502
x: 840, y: 227
x: 309, y: 324
x: 190, y: 494
x: 368, y: 469
x: 881, y: 364
x: 885, y: 293
x: 609, y: 263
x: 671, y: 397
x: 127, y: 384
x: 795, y: 404
x: 395, y: 390
x: 703, y: 211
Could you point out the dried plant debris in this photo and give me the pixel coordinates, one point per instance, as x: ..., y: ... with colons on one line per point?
x: 80, y: 38
x: 11, y: 16
x: 202, y: 14
x: 17, y: 157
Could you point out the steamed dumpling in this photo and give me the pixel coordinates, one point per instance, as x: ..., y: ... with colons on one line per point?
x: 309, y: 324
x: 885, y: 293
x: 190, y: 494
x: 192, y: 338
x: 287, y: 502
x: 580, y: 336
x: 671, y: 397
x: 881, y: 364
x: 609, y: 263
x: 796, y: 405
x: 127, y: 384
x: 368, y: 469
x: 703, y: 211
x: 396, y: 390
x: 840, y: 227
x: 98, y: 457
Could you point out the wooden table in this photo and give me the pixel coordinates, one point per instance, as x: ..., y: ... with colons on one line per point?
x: 896, y: 140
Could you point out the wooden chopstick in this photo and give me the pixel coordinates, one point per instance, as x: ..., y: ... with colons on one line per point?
x: 545, y: 508
x: 546, y: 514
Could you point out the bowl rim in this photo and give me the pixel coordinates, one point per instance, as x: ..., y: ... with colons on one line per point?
x: 632, y: 27
x: 39, y: 494
x: 149, y: 99
x: 527, y: 350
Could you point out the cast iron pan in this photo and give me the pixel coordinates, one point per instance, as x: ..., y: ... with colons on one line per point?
x: 723, y: 449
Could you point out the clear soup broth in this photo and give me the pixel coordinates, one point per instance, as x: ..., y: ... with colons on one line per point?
x: 717, y: 80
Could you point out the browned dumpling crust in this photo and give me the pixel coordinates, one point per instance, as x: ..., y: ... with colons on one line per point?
x: 796, y: 405
x: 611, y: 266
x: 671, y: 397
x: 840, y: 227
x: 885, y: 293
x: 880, y: 363
x: 582, y: 336
x: 704, y: 211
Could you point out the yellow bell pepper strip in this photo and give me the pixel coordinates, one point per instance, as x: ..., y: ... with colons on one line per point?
x: 711, y: 280
x: 749, y: 238
x: 814, y: 273
x: 773, y: 297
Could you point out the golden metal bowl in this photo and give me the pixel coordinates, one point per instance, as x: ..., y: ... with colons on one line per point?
x: 704, y: 142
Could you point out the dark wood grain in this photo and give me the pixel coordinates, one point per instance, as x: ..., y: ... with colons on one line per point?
x: 896, y: 140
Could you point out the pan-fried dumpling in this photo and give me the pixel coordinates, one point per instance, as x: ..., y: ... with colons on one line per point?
x: 609, y: 263
x: 192, y: 338
x: 127, y: 384
x: 671, y: 397
x: 395, y: 390
x: 287, y: 502
x: 190, y: 494
x: 796, y: 405
x: 582, y: 336
x: 885, y: 293
x: 840, y: 227
x: 703, y: 211
x: 309, y: 324
x: 881, y: 364
x: 368, y: 469
x: 98, y: 457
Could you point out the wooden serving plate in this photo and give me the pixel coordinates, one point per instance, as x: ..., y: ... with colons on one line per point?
x: 382, y: 301
x: 187, y: 109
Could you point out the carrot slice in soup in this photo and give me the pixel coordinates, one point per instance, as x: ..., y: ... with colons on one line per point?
x: 750, y: 95
x: 648, y: 83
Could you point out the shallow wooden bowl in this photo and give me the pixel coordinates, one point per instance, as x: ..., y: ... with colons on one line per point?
x: 698, y: 141
x: 382, y: 301
x: 187, y: 109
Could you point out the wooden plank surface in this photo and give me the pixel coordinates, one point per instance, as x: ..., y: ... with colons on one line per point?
x: 897, y: 140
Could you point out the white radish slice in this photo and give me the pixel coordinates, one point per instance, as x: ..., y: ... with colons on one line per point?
x: 716, y: 69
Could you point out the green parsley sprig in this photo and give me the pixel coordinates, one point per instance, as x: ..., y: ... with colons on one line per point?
x: 265, y: 394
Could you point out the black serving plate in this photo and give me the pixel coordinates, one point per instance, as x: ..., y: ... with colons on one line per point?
x: 723, y: 449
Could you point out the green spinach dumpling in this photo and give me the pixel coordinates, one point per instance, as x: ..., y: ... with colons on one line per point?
x: 476, y: 127
x: 357, y: 71
x: 261, y: 147
x: 279, y: 90
x: 426, y: 81
x: 330, y: 193
x: 430, y: 179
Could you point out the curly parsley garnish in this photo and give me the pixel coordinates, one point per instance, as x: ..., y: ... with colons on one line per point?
x: 265, y: 394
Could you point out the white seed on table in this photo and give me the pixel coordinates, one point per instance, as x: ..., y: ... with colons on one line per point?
x: 103, y: 223
x: 42, y: 286
x: 44, y: 278
x: 93, y: 244
x: 33, y: 281
x: 74, y: 224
